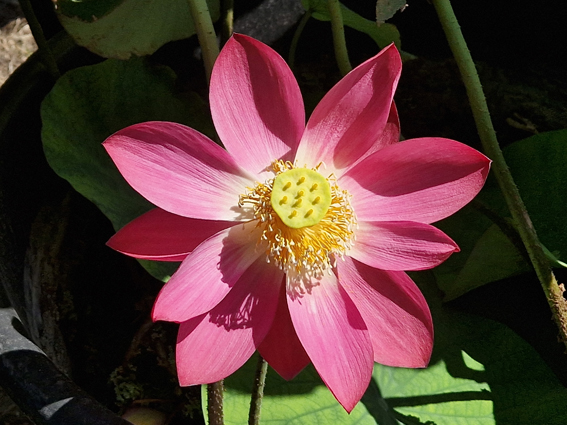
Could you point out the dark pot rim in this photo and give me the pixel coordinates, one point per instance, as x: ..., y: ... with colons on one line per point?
x: 31, y: 379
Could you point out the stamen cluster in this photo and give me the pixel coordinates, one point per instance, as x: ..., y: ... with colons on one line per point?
x: 304, y: 254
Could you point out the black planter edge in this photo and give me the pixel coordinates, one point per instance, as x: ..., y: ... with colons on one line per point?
x: 27, y: 375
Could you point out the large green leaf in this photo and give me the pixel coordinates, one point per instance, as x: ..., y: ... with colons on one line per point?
x: 303, y: 400
x: 122, y: 28
x: 481, y: 373
x: 487, y: 255
x: 382, y: 35
x: 87, y: 10
x: 89, y: 104
x: 538, y: 167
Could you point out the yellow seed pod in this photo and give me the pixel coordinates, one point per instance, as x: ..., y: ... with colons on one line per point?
x: 300, y: 197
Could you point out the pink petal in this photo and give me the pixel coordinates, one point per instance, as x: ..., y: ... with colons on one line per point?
x: 423, y: 180
x: 351, y: 116
x: 160, y: 235
x: 389, y: 136
x: 281, y: 348
x: 401, y: 245
x: 179, y: 170
x: 207, y: 274
x: 212, y: 346
x: 256, y: 104
x: 394, y: 310
x: 335, y: 337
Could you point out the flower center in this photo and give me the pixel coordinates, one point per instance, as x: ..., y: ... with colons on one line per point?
x: 300, y: 197
x: 306, y: 222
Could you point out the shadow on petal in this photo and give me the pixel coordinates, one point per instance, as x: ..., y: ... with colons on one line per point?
x: 214, y: 345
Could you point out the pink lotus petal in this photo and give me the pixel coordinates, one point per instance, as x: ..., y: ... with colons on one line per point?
x: 336, y: 339
x: 394, y: 310
x: 423, y: 180
x: 389, y: 136
x: 401, y: 245
x: 212, y: 346
x: 347, y: 121
x: 179, y: 170
x: 281, y: 348
x: 160, y: 235
x: 208, y: 274
x: 256, y: 104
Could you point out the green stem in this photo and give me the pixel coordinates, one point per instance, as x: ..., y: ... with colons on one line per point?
x: 553, y: 291
x: 42, y: 45
x: 227, y: 20
x: 341, y: 53
x: 215, y: 392
x: 295, y: 39
x: 258, y: 392
x: 205, y: 33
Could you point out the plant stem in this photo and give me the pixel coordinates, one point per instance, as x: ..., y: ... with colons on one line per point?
x: 553, y: 291
x: 42, y: 45
x: 258, y: 392
x: 227, y: 20
x: 205, y: 33
x: 341, y: 53
x: 295, y: 39
x: 215, y: 392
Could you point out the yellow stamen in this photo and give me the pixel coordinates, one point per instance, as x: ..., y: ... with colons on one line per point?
x: 304, y: 253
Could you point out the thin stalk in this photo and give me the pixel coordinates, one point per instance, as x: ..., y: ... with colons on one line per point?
x: 42, y: 45
x: 227, y: 20
x: 205, y: 33
x: 295, y: 39
x: 553, y: 291
x: 215, y: 392
x: 258, y: 392
x: 341, y: 53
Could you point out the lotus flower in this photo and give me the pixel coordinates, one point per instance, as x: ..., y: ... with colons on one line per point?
x: 294, y: 240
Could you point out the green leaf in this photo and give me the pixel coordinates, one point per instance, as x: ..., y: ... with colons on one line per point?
x: 385, y: 9
x: 538, y: 167
x: 481, y: 373
x: 303, y: 400
x: 383, y: 35
x: 89, y: 104
x: 86, y: 10
x: 494, y: 257
x: 122, y: 28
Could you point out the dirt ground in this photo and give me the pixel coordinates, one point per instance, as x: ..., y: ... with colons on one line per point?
x: 16, y: 40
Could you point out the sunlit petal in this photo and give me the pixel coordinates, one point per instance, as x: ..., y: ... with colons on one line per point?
x: 160, y: 235
x: 394, y: 310
x: 422, y: 180
x: 352, y: 115
x: 401, y: 245
x: 212, y: 346
x: 335, y: 337
x: 207, y: 275
x: 256, y: 104
x: 179, y: 170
